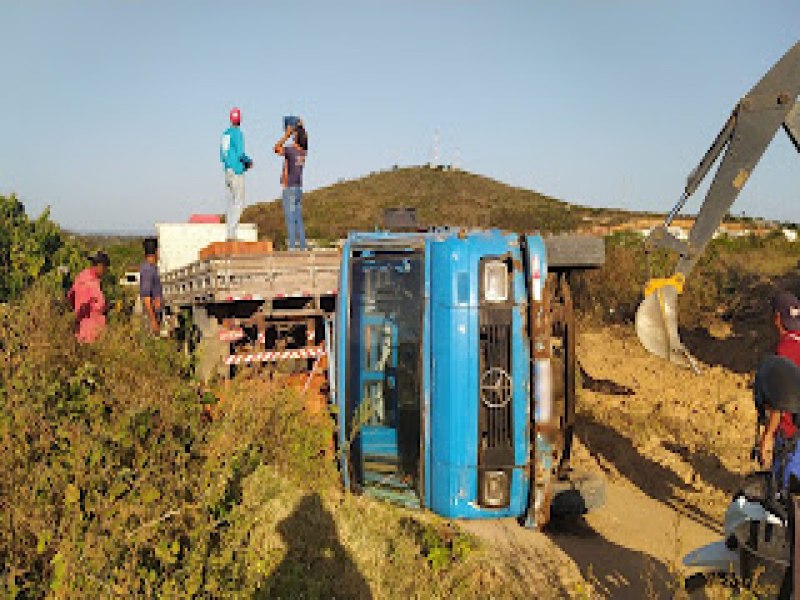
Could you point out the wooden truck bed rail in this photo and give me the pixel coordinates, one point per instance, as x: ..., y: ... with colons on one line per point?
x: 253, y: 277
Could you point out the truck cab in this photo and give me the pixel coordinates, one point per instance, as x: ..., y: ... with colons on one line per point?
x: 453, y: 372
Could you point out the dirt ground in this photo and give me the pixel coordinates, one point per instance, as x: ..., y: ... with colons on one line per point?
x: 673, y: 447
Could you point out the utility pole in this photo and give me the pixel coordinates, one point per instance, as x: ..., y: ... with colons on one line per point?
x: 435, y: 162
x: 457, y: 160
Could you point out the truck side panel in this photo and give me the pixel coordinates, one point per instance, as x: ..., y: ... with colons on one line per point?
x: 256, y: 277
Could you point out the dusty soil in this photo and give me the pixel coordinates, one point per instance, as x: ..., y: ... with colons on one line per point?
x: 673, y: 447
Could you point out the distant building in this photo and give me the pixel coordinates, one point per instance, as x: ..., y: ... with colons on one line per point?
x: 678, y: 232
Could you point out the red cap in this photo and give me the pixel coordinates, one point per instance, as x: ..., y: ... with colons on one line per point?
x: 236, y: 116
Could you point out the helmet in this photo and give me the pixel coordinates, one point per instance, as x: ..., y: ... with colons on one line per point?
x: 236, y: 116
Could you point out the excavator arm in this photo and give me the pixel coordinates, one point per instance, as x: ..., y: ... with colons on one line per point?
x: 792, y: 125
x: 770, y: 105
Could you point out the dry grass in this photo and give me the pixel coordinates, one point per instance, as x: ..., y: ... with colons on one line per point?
x: 113, y: 486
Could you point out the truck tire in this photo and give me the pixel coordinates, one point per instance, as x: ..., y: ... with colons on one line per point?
x: 574, y: 251
x: 578, y: 494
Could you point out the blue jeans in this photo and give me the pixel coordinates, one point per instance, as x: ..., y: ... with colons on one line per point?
x: 784, y: 466
x: 293, y: 211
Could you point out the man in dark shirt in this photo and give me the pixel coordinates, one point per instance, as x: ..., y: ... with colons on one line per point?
x: 292, y: 182
x: 150, y: 287
x: 786, y: 316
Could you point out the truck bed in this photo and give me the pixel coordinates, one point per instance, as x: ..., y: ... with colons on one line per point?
x: 261, y: 277
x: 314, y: 273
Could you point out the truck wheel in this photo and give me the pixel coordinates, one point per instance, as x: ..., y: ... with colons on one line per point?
x: 577, y: 495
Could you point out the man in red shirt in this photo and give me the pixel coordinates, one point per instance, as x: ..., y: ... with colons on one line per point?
x: 786, y: 316
x: 87, y: 300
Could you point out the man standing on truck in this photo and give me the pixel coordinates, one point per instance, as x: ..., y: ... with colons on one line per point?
x: 87, y: 300
x: 292, y: 181
x: 150, y: 290
x: 235, y: 162
x: 786, y: 316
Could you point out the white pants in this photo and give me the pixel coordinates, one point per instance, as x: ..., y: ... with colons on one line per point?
x: 234, y: 188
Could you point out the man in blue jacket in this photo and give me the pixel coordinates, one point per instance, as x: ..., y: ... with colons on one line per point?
x: 235, y: 162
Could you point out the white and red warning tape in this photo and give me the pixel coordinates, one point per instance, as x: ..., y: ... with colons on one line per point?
x: 275, y: 356
x: 245, y: 297
x: 231, y: 335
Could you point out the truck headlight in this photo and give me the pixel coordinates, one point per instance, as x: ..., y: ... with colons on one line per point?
x: 495, y: 281
x: 495, y: 489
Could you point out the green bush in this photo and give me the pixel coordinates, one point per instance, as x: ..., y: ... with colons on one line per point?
x: 31, y: 249
x: 101, y: 461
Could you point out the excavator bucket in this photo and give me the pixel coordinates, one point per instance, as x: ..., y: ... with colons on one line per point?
x: 657, y: 323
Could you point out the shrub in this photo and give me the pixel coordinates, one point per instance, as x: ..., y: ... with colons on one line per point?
x: 100, y: 468
x: 30, y: 249
x: 111, y: 484
x: 728, y: 270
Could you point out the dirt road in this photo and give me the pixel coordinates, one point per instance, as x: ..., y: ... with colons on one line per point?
x: 629, y: 549
x: 673, y: 447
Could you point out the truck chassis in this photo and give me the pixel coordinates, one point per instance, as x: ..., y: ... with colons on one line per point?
x: 253, y: 309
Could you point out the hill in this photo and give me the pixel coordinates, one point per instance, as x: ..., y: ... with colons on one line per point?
x: 441, y: 197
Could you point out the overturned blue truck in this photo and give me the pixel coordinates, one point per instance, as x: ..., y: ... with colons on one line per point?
x: 453, y: 373
x: 450, y: 356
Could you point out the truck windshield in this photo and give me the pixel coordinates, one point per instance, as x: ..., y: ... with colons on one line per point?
x: 385, y: 370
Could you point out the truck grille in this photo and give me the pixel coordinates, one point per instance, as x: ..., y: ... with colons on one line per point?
x: 495, y: 383
x: 495, y: 421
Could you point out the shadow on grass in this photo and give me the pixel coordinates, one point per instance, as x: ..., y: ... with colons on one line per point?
x: 316, y: 564
x: 612, y: 570
x: 655, y: 480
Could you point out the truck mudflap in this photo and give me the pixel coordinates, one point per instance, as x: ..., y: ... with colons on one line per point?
x: 577, y: 494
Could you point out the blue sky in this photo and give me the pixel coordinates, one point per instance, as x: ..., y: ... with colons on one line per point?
x: 111, y: 112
